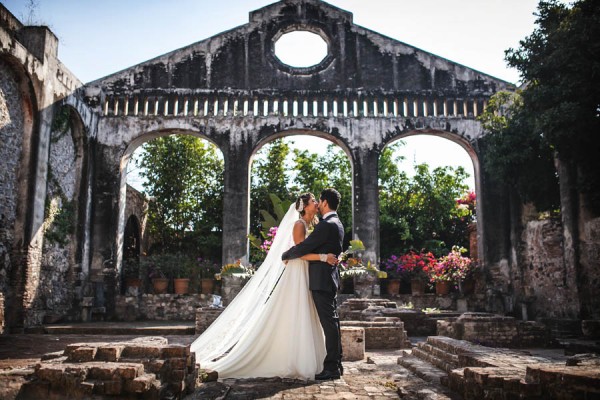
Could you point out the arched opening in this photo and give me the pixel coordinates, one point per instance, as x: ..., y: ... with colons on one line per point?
x: 18, y: 108
x: 173, y: 183
x: 427, y: 199
x: 287, y: 165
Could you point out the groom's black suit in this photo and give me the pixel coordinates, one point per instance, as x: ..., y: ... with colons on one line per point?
x: 324, y: 281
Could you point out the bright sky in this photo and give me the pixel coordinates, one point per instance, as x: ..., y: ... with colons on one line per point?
x: 98, y: 38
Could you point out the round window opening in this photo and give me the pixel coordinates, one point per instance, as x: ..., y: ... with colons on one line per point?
x: 301, y: 49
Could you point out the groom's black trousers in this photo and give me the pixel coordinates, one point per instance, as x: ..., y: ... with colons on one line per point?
x: 326, y: 304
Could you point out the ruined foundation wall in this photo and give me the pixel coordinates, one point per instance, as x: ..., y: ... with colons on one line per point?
x: 590, y: 267
x: 540, y: 280
x: 11, y: 143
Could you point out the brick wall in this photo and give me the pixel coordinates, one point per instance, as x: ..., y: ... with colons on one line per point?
x: 541, y: 280
x: 160, y: 307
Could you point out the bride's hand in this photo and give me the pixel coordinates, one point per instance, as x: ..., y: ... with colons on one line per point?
x: 332, y: 259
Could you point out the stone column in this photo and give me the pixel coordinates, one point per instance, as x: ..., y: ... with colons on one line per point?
x: 105, y: 225
x: 236, y: 203
x: 365, y: 202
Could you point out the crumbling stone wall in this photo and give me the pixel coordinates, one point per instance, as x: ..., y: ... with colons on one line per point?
x: 590, y: 267
x: 11, y: 144
x: 159, y: 307
x: 540, y: 281
x: 57, y: 275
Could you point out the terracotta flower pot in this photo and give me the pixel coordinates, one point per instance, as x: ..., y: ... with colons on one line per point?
x: 393, y: 286
x: 417, y: 287
x: 467, y: 286
x: 133, y: 282
x: 207, y: 285
x: 181, y: 285
x: 442, y: 288
x: 160, y: 285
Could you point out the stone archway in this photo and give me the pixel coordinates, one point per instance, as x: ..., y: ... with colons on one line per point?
x: 139, y: 140
x: 308, y: 135
x: 468, y: 147
x: 18, y: 127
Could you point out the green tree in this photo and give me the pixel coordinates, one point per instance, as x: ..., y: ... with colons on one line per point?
x: 184, y: 178
x: 269, y: 176
x: 515, y: 155
x: 316, y: 172
x: 560, y: 63
x: 420, y: 212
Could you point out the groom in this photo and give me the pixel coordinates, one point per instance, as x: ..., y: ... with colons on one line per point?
x: 324, y: 279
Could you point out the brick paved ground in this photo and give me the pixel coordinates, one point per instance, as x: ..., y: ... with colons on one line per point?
x: 377, y: 377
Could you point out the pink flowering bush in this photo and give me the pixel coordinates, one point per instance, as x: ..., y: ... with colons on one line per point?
x: 453, y: 267
x: 270, y: 237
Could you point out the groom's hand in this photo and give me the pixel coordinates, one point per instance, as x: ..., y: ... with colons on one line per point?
x: 332, y: 259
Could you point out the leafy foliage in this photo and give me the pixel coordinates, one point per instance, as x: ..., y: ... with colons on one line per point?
x: 559, y: 62
x: 516, y: 155
x: 420, y: 212
x: 184, y: 177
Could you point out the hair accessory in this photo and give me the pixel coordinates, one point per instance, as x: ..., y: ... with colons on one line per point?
x: 300, y: 206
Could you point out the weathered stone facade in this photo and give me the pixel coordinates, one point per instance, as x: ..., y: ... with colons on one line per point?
x: 11, y: 145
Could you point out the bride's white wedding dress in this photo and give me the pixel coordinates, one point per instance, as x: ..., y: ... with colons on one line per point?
x: 271, y: 328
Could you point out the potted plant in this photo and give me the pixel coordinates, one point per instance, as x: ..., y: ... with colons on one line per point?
x: 415, y: 267
x: 181, y: 271
x: 205, y: 271
x: 451, y: 268
x: 393, y: 268
x: 155, y: 267
x: 364, y: 276
x: 131, y: 273
x: 233, y: 276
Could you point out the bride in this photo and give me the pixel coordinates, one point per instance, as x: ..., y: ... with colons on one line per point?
x: 271, y: 328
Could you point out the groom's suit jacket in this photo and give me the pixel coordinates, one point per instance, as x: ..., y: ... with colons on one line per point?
x: 326, y: 238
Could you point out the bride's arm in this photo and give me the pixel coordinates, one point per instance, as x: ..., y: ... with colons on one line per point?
x: 299, y: 234
x: 331, y: 258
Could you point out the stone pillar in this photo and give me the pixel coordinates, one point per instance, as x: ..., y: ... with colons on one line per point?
x: 236, y: 203
x: 105, y: 225
x: 365, y: 201
x: 353, y: 343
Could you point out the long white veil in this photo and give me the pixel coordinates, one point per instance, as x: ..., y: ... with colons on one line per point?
x: 248, y: 306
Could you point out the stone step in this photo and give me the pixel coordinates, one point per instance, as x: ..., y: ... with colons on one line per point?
x: 432, y: 359
x: 447, y: 357
x: 141, y: 328
x: 421, y: 368
x: 486, y: 382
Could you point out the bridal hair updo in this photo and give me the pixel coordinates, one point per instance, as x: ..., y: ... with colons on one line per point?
x: 302, y: 201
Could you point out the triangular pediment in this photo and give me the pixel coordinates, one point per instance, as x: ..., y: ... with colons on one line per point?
x: 358, y: 59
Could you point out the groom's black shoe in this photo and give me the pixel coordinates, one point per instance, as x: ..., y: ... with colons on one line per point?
x: 325, y: 375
